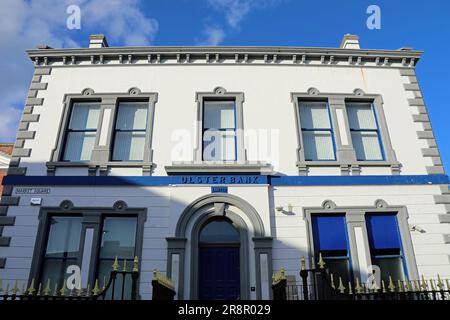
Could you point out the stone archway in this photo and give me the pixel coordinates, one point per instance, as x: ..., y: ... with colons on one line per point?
x: 196, y: 214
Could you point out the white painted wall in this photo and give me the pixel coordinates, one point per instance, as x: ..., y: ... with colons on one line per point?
x: 165, y: 205
x: 267, y: 105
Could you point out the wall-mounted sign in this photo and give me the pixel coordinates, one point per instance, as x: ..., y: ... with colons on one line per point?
x: 219, y: 189
x: 223, y: 180
x: 22, y: 190
x: 36, y: 201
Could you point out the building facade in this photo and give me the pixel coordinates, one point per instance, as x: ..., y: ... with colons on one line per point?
x: 219, y: 165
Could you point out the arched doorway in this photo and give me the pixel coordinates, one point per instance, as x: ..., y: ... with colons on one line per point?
x: 219, y: 260
x: 183, y: 249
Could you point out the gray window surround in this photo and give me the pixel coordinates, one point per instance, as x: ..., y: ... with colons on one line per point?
x: 240, y: 165
x: 221, y: 93
x: 92, y: 217
x: 200, y: 212
x: 101, y: 154
x: 355, y: 217
x: 345, y: 154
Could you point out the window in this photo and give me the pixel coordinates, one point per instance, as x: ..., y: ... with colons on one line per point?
x: 63, y: 246
x: 118, y: 240
x: 330, y: 239
x: 364, y: 131
x: 317, y: 132
x: 130, y: 131
x: 219, y: 130
x: 385, y: 245
x: 81, y: 131
x: 219, y: 231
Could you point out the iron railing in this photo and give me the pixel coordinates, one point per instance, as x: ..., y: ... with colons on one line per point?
x: 318, y: 283
x: 113, y: 289
x: 121, y: 285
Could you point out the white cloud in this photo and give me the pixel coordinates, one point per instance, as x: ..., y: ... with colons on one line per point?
x: 24, y: 24
x: 213, y: 36
x: 236, y: 10
x: 123, y: 19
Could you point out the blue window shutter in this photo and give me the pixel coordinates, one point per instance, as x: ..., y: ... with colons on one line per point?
x: 330, y: 233
x: 383, y: 231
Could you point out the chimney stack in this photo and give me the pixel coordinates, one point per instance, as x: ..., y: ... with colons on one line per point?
x: 350, y: 41
x: 97, y: 41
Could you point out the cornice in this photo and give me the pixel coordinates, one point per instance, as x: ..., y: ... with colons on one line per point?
x: 226, y: 55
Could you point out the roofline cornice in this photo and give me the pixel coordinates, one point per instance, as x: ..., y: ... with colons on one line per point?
x: 77, y: 52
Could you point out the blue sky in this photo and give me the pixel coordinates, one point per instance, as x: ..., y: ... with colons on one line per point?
x: 423, y: 25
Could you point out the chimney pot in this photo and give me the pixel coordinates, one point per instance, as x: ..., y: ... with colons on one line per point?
x: 43, y: 47
x: 98, y: 41
x: 350, y: 41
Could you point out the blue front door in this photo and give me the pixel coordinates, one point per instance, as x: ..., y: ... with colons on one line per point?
x: 219, y: 273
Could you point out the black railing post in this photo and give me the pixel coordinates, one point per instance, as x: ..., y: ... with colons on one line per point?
x: 163, y: 287
x: 304, y: 276
x: 279, y: 286
x: 134, y: 279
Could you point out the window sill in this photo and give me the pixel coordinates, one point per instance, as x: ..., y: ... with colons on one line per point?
x: 227, y: 167
x: 338, y: 163
x: 80, y: 164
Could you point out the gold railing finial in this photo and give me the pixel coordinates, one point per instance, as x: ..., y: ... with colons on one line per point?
x: 80, y: 291
x: 116, y: 264
x: 38, y: 293
x: 15, y: 289
x: 63, y: 290
x: 391, y: 285
x: 374, y: 286
x: 433, y: 288
x: 357, y: 287
x: 399, y: 285
x: 440, y: 284
x: 341, y: 287
x: 136, y: 264
x: 31, y: 289
x: 47, y: 289
x: 88, y: 290
x: 350, y: 288
x: 424, y: 284
x: 321, y: 263
x: 417, y: 285
x: 55, y: 292
x: 124, y: 265
x: 383, y: 286
x: 406, y: 285
x: 302, y: 263
x: 96, y: 289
